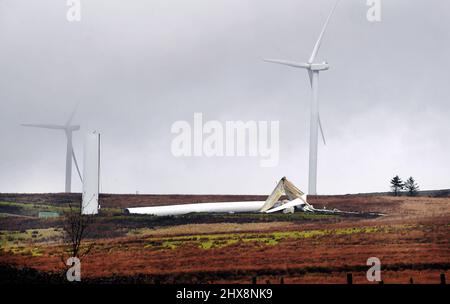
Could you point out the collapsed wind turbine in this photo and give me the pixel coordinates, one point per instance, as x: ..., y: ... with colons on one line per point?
x: 68, y: 128
x: 313, y: 72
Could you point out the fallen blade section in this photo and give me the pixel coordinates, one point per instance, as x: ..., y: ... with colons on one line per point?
x: 215, y: 207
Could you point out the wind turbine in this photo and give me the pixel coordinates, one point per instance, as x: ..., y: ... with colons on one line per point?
x: 68, y: 128
x: 313, y: 72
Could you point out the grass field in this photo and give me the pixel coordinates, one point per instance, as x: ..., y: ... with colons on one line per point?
x: 412, y: 240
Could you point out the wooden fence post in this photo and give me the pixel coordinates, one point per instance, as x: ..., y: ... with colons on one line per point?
x: 349, y: 278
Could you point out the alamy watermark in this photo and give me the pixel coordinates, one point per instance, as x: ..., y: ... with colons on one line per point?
x: 73, y: 273
x: 229, y: 139
x: 74, y: 11
x: 374, y: 11
x: 374, y: 272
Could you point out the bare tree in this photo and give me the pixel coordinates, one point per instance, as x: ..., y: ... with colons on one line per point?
x: 76, y: 228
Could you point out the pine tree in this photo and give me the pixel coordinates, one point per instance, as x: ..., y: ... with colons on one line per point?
x: 397, y: 185
x: 411, y: 186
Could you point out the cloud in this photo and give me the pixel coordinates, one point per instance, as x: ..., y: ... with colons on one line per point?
x: 136, y: 67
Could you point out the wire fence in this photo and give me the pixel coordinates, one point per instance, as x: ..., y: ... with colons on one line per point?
x: 349, y: 280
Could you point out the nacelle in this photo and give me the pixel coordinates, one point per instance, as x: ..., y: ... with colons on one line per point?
x: 320, y: 66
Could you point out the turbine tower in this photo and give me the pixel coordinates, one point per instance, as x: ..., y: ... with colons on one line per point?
x: 68, y: 128
x: 313, y: 72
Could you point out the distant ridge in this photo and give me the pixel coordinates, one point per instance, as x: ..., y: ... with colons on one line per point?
x: 136, y: 200
x: 428, y: 193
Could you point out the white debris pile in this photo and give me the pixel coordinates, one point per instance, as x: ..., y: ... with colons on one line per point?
x: 295, y: 201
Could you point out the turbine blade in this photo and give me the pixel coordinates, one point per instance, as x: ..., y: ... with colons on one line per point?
x: 321, y: 131
x: 288, y: 63
x: 44, y: 126
x: 319, y: 41
x: 72, y: 114
x: 76, y: 165
x: 296, y: 202
x: 311, y: 79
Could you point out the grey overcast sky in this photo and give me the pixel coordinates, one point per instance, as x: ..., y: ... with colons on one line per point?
x: 138, y: 66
